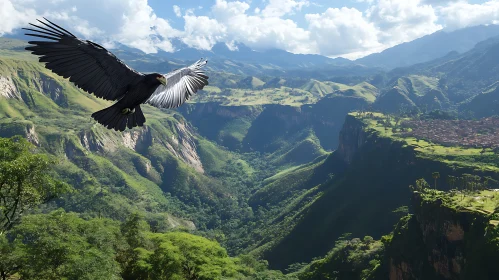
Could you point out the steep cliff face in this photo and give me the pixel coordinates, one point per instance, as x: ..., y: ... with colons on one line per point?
x: 51, y: 88
x: 40, y: 82
x: 440, y: 241
x: 368, y: 178
x: 180, y: 142
x: 184, y: 146
x: 352, y: 138
x: 8, y: 89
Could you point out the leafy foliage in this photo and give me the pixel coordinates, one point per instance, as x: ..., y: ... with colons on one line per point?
x: 349, y: 259
x: 62, y: 245
x: 25, y: 180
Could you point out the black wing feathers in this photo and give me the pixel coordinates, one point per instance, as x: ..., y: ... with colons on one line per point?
x: 88, y: 65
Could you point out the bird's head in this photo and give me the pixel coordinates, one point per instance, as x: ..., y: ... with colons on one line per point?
x: 161, y: 79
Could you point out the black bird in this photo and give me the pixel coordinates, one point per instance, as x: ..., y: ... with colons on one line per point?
x: 96, y: 70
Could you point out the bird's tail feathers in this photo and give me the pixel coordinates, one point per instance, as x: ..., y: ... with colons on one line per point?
x: 119, y: 119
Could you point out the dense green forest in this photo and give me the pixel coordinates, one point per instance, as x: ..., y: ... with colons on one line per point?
x: 333, y: 172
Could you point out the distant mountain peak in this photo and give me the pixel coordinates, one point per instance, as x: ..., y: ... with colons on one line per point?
x: 430, y: 47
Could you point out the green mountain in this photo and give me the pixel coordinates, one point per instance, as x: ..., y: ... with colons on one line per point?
x: 413, y: 91
x: 463, y: 82
x: 484, y: 104
x: 430, y: 47
x: 461, y: 76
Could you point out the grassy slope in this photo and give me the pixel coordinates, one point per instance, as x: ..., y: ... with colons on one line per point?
x: 411, y: 91
x: 309, y: 93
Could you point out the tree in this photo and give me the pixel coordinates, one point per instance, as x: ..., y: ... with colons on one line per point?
x: 61, y: 245
x: 488, y: 180
x: 435, y: 176
x: 467, y: 181
x: 180, y: 255
x: 451, y: 180
x: 25, y: 180
x: 10, y: 258
x: 421, y: 184
x: 132, y: 256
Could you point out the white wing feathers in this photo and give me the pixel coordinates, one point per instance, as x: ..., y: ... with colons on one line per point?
x: 180, y: 85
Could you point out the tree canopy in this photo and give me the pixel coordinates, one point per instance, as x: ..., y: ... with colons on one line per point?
x: 25, y: 180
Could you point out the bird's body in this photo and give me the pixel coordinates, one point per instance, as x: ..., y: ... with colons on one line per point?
x: 94, y: 69
x: 127, y: 112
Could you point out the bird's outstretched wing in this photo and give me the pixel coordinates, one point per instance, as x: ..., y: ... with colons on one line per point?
x: 88, y: 65
x: 180, y: 85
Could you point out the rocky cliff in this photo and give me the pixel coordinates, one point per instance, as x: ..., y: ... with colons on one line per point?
x: 442, y: 241
x: 351, y: 139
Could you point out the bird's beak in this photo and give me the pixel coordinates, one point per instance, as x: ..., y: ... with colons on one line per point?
x: 162, y: 80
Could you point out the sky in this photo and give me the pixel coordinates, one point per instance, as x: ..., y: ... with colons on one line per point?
x: 346, y: 28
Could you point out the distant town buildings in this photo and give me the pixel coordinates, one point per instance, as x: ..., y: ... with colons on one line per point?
x: 482, y: 133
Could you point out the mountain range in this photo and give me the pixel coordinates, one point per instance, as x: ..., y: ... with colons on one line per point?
x: 242, y: 59
x: 430, y: 47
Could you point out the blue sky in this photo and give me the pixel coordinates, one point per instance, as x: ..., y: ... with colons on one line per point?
x: 347, y: 28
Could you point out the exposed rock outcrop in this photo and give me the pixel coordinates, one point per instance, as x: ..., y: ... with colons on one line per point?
x: 352, y: 138
x: 8, y: 88
x: 31, y: 135
x: 52, y: 89
x: 181, y: 144
x: 184, y: 146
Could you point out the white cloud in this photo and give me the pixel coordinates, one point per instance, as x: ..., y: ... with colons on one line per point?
x: 176, y: 10
x: 401, y: 20
x: 261, y: 32
x: 349, y: 32
x: 224, y: 9
x: 341, y: 31
x: 332, y: 31
x: 203, y: 32
x: 131, y: 22
x: 462, y: 14
x: 279, y: 8
x: 11, y: 18
x: 141, y: 28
